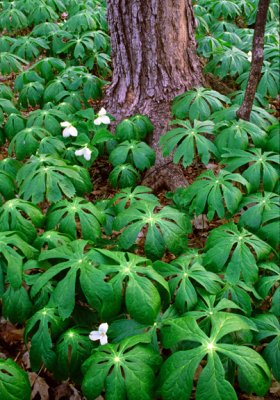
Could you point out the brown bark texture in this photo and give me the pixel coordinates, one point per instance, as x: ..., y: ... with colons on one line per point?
x: 245, y: 110
x: 154, y: 59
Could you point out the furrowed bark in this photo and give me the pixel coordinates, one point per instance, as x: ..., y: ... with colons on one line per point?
x: 154, y: 59
x: 245, y: 110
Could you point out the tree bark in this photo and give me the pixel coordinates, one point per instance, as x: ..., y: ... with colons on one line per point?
x: 154, y: 59
x: 245, y: 110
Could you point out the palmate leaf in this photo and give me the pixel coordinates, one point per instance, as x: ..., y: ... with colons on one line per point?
x: 259, y: 116
x: 14, y: 124
x: 198, y: 103
x: 31, y: 94
x: 80, y: 22
x: 260, y: 213
x: 75, y: 218
x: 124, y: 370
x: 51, y: 145
x: 22, y: 216
x: 6, y: 92
x: 72, y: 349
x: 17, y: 305
x: 50, y: 240
x: 137, y: 153
x: 188, y: 142
x: 213, y: 192
x: 26, y: 142
x: 166, y: 229
x: 123, y: 176
x: 42, y: 13
x: 185, y: 275
x: 273, y: 143
x: 267, y: 282
x: 12, y: 19
x: 50, y: 177
x: 76, y: 264
x: 14, y: 382
x: 11, y: 167
x: 261, y: 171
x: 241, y: 293
x: 10, y: 63
x: 177, y: 373
x: 7, y: 186
x: 44, y: 324
x: 241, y: 261
x: 28, y: 47
x: 45, y: 29
x: 47, y: 67
x: 269, y: 327
x: 128, y: 197
x: 225, y: 8
x: 268, y: 85
x: 228, y: 61
x: 47, y: 119
x: 134, y: 280
x: 13, y: 250
x: 237, y: 134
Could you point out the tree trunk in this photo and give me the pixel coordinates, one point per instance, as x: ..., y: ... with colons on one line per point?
x: 244, y: 111
x: 154, y: 59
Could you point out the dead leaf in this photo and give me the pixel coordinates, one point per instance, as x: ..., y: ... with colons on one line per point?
x: 39, y: 386
x: 68, y: 391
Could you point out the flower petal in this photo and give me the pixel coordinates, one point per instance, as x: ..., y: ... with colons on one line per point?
x: 87, y: 153
x: 94, y: 335
x: 65, y: 132
x: 65, y: 124
x: 79, y: 152
x: 73, y: 131
x: 104, y: 339
x: 97, y: 121
x: 102, y: 112
x: 105, y: 120
x: 103, y: 327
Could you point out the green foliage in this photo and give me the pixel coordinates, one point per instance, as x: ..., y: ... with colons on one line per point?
x: 198, y: 104
x: 123, y: 176
x: 269, y: 327
x: 177, y: 373
x: 189, y: 142
x: 165, y: 229
x: 50, y: 177
x: 129, y: 197
x: 126, y: 369
x: 134, y: 280
x: 241, y: 261
x: 228, y: 61
x: 26, y: 142
x: 214, y: 193
x: 79, y: 264
x: 261, y: 215
x: 261, y: 171
x: 238, y: 134
x: 14, y: 382
x: 76, y: 218
x: 54, y: 63
x: 10, y: 63
x: 21, y: 216
x: 185, y: 275
x: 136, y: 153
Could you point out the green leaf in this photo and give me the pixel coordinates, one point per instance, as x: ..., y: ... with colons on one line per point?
x: 14, y: 382
x: 219, y: 256
x: 221, y: 389
x: 138, y: 361
x: 16, y: 305
x: 188, y: 140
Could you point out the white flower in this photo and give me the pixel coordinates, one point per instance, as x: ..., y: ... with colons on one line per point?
x: 85, y: 151
x: 249, y: 56
x: 100, y: 334
x: 69, y: 130
x: 102, y: 118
